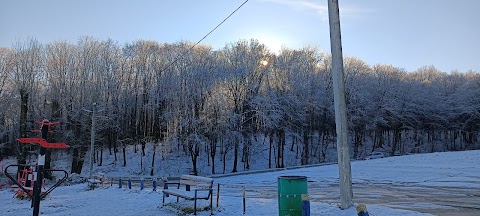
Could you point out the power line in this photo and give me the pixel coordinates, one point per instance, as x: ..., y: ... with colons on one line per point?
x: 176, y: 59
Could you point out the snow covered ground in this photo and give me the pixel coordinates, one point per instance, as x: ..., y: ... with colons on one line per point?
x: 448, y: 170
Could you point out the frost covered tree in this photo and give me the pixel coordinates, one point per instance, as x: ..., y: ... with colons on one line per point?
x: 27, y: 75
x: 228, y: 105
x: 7, y: 131
x: 243, y: 79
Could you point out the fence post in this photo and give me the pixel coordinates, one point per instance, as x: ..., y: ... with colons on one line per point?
x: 141, y: 184
x: 120, y: 182
x: 218, y: 194
x: 154, y: 184
x: 165, y: 186
x: 244, y: 200
x: 129, y: 183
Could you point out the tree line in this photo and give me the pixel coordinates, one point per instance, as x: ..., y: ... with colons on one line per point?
x: 211, y: 103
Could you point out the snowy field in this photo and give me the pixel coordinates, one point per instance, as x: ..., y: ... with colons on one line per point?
x: 449, y: 169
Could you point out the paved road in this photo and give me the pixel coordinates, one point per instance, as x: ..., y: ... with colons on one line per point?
x: 440, y: 201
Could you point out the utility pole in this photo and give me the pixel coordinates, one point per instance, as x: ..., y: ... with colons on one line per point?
x: 92, y: 138
x: 343, y: 149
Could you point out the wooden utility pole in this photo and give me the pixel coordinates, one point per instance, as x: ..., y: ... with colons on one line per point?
x: 343, y: 150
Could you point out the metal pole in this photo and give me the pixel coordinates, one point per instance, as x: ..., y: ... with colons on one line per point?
x: 244, y: 200
x: 92, y: 138
x: 343, y: 150
x: 218, y: 194
x: 37, y: 188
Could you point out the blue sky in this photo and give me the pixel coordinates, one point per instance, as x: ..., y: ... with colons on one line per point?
x: 404, y: 33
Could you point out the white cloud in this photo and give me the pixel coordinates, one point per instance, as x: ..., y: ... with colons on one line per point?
x: 321, y: 8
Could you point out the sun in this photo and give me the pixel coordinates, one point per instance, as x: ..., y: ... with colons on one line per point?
x: 273, y: 43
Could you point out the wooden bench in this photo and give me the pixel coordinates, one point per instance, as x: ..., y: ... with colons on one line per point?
x: 191, y: 187
x: 96, y: 179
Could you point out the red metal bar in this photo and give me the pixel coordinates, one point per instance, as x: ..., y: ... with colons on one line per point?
x: 31, y: 140
x: 43, y: 143
x: 54, y: 145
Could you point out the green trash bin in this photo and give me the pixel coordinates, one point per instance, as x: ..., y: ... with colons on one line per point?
x: 290, y: 190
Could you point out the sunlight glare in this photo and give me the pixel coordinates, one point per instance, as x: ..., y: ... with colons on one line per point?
x: 272, y: 41
x: 264, y: 62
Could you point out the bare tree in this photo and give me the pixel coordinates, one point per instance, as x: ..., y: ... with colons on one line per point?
x: 7, y: 131
x: 27, y: 74
x: 243, y: 82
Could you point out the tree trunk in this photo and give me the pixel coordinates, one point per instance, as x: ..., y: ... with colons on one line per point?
x: 432, y: 140
x: 213, y: 152
x: 247, y: 159
x: 281, y: 147
x: 270, y: 150
x: 153, y: 159
x: 124, y: 155
x: 325, y: 143
x: 305, y: 153
x: 110, y: 141
x: 235, y: 157
x: 454, y: 140
x: 357, y: 143
x: 194, y: 152
x: 396, y: 141
x: 293, y: 145
x: 77, y: 160
x: 48, y: 159
x: 207, y: 150
x: 224, y: 162
x: 22, y: 149
x: 100, y: 160
x: 416, y: 140
x: 115, y: 150
x: 246, y: 152
x: 282, y: 161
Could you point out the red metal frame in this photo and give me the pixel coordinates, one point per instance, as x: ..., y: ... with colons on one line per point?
x: 42, y: 142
